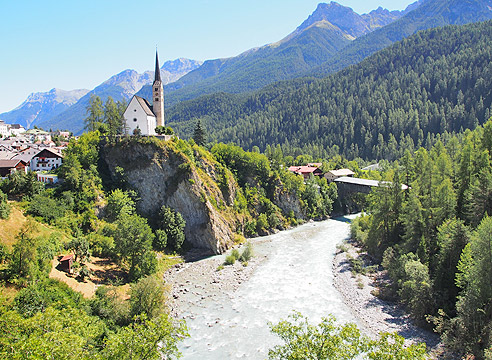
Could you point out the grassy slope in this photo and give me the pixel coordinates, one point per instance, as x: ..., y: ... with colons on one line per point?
x: 10, y: 228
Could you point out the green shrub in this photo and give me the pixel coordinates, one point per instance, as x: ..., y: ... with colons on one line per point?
x: 235, y: 253
x: 160, y: 240
x: 100, y: 245
x: 42, y: 205
x: 247, y: 253
x: 262, y: 222
x: 38, y: 296
x: 230, y: 260
x: 84, y: 272
x: 250, y: 228
x: 148, y: 296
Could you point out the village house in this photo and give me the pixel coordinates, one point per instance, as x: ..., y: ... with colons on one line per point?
x: 34, y: 135
x: 335, y: 174
x: 47, y: 178
x: 16, y: 129
x: 63, y: 134
x: 66, y: 263
x: 306, y: 171
x: 8, y: 167
x: 7, y: 130
x: 47, y: 159
x: 4, y: 129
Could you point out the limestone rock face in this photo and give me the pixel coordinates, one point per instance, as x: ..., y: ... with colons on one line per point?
x: 289, y: 202
x: 163, y: 175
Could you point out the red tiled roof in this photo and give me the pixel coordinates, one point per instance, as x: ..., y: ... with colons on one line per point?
x: 303, y: 169
x: 66, y: 257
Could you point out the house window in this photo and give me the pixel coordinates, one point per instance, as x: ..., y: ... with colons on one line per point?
x: 135, y: 119
x: 155, y: 89
x: 156, y: 99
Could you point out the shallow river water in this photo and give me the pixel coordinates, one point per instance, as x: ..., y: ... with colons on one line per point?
x: 297, y: 275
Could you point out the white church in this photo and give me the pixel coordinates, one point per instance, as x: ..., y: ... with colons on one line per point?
x: 140, y: 114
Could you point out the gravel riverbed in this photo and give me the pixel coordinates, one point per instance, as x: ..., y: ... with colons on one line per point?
x: 375, y: 314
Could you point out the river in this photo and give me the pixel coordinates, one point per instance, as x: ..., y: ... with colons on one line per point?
x: 296, y: 275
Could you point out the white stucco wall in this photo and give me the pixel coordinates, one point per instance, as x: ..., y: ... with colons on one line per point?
x: 39, y: 164
x: 135, y: 116
x: 4, y: 129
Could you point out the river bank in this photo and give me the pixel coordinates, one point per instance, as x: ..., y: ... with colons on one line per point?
x: 377, y: 315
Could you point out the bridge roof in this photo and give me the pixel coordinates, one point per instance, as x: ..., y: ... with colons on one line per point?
x: 365, y: 182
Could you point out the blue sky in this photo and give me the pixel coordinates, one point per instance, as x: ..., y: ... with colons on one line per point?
x: 73, y: 44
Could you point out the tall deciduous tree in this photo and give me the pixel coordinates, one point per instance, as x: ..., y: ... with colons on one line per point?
x: 113, y: 117
x: 95, y: 113
x: 133, y: 242
x: 329, y: 340
x: 173, y: 224
x: 119, y: 203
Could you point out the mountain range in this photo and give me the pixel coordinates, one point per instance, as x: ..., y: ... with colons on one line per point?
x: 329, y: 29
x: 60, y: 109
x: 331, y: 38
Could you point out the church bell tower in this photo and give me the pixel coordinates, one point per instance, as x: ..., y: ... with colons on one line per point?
x: 158, y: 94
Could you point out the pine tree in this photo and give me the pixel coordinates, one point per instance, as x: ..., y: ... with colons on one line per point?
x: 199, y: 134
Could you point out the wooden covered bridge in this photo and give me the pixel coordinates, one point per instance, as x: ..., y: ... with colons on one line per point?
x: 348, y: 185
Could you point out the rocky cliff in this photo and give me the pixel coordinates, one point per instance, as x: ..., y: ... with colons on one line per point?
x: 183, y: 177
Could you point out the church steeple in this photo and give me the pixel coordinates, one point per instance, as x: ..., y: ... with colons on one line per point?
x: 157, y: 76
x: 158, y: 94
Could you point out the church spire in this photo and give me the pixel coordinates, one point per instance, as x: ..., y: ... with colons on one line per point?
x: 158, y: 94
x: 157, y: 76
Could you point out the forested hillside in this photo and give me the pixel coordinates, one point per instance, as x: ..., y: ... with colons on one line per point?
x: 435, y: 239
x: 430, y: 14
x: 435, y: 82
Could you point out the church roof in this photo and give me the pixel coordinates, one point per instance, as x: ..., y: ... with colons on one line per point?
x: 145, y: 105
x: 157, y: 76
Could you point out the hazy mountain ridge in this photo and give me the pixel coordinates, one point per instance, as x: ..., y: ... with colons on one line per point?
x: 66, y: 109
x: 348, y: 20
x: 42, y: 106
x: 319, y: 46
